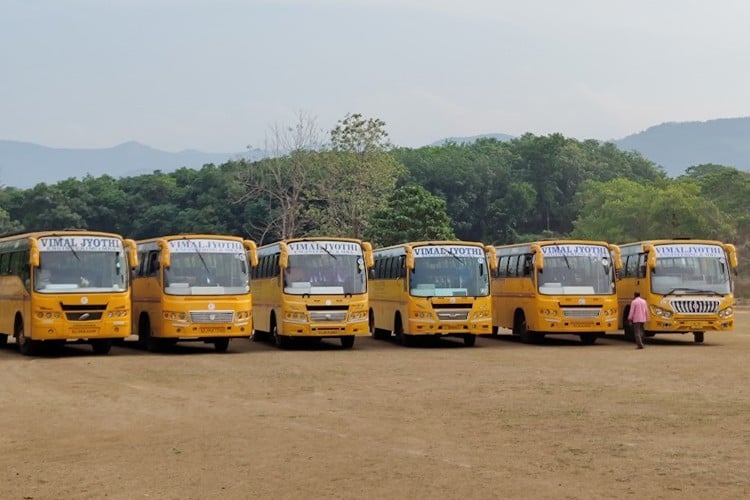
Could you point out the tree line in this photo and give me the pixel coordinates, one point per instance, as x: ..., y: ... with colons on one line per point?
x: 351, y: 181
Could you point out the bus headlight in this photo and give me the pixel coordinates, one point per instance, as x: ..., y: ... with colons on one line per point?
x: 422, y: 315
x: 295, y: 316
x: 481, y: 315
x: 726, y: 313
x: 356, y: 316
x: 549, y: 312
x: 662, y: 313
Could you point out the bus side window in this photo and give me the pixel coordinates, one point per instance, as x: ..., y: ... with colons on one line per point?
x: 527, y: 265
x: 642, y: 258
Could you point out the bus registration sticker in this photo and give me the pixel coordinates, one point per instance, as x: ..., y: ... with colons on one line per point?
x: 84, y: 330
x: 212, y: 329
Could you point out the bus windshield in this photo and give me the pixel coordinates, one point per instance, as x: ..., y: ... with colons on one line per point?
x: 685, y: 275
x: 76, y: 271
x: 321, y: 274
x: 198, y: 272
x: 450, y: 275
x: 576, y: 275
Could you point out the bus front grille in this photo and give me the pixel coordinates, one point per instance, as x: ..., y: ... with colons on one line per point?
x: 581, y: 312
x: 211, y: 316
x: 695, y: 306
x: 447, y: 315
x: 327, y: 315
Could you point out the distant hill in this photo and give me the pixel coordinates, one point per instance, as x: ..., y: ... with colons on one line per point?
x: 24, y: 164
x: 677, y: 146
x: 472, y: 138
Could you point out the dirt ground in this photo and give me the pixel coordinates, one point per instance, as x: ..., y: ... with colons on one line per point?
x: 498, y: 420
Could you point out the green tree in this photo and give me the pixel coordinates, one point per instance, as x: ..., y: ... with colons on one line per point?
x: 359, y: 174
x: 412, y: 214
x: 621, y: 210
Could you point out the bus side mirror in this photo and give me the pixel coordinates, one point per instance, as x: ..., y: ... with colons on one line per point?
x: 33, y: 252
x: 409, y: 261
x: 369, y: 258
x: 651, y: 259
x: 132, y: 252
x: 283, y: 256
x: 732, y: 253
x: 539, y: 257
x: 252, y: 252
x: 491, y: 253
x: 166, y: 257
x: 616, y: 255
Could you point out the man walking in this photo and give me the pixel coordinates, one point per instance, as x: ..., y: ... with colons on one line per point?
x: 637, y: 316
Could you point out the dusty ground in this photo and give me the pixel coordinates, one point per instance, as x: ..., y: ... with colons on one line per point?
x: 501, y: 419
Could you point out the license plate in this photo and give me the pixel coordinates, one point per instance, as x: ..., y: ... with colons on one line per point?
x: 328, y: 332
x: 84, y: 330
x: 212, y: 329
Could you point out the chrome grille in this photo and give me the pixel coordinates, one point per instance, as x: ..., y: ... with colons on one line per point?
x: 695, y: 306
x: 581, y: 312
x: 327, y: 315
x: 453, y: 315
x: 211, y: 316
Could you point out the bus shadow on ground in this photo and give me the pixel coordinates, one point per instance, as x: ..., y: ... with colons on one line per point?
x: 571, y: 340
x: 665, y: 340
x: 427, y: 342
x: 177, y: 348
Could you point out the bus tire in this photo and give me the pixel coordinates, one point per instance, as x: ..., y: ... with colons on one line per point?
x: 26, y: 346
x: 377, y: 333
x: 221, y: 345
x: 281, y: 341
x: 101, y: 346
x: 698, y: 337
x: 347, y: 342
x: 588, y: 338
x: 144, y: 332
x: 398, y: 331
x: 495, y: 331
x: 3, y: 339
x: 470, y: 339
x: 627, y: 327
x: 521, y: 329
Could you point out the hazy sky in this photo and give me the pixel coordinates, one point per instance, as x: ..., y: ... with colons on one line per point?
x: 216, y: 75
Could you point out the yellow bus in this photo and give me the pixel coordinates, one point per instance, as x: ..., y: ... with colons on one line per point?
x: 193, y: 287
x: 312, y: 288
x: 431, y: 288
x: 687, y: 284
x: 556, y: 287
x: 65, y: 286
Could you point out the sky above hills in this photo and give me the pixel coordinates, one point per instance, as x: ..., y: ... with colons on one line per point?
x: 217, y: 75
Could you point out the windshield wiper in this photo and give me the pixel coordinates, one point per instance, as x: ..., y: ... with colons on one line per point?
x: 75, y: 254
x: 203, y: 261
x: 567, y: 262
x: 328, y: 251
x: 454, y: 255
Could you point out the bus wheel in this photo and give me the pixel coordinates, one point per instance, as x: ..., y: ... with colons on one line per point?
x: 347, y: 342
x: 698, y: 337
x: 26, y: 346
x: 144, y: 333
x: 101, y: 346
x: 221, y: 345
x: 521, y: 329
x: 281, y: 341
x: 3, y: 339
x: 588, y: 338
x: 377, y: 333
x: 398, y: 330
x: 494, y: 331
x: 470, y: 340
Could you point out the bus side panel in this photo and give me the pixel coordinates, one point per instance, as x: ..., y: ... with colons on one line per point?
x: 13, y: 298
